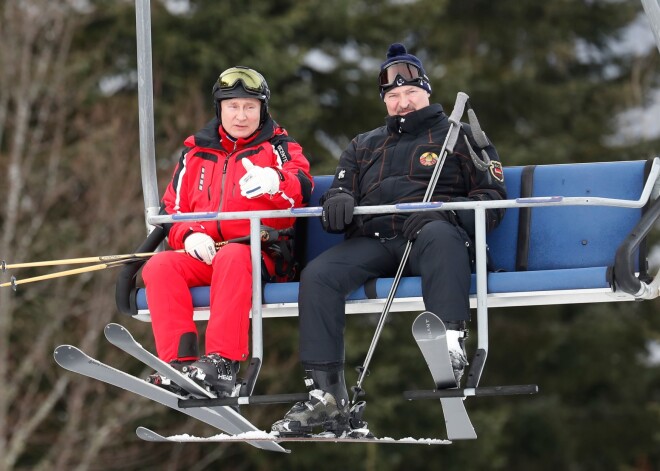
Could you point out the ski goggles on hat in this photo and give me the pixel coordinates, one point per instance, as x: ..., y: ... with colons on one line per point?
x: 399, y: 73
x: 252, y: 81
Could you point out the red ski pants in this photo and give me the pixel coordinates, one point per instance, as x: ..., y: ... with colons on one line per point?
x: 169, y: 275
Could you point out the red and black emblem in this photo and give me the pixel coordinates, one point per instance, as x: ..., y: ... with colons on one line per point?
x: 496, y: 170
x: 428, y: 159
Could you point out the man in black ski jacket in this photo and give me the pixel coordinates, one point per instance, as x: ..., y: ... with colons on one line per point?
x: 389, y: 165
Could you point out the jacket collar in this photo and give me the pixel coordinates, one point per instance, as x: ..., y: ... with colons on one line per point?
x: 417, y: 121
x: 214, y: 136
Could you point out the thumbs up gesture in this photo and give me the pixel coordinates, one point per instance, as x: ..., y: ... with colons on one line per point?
x: 258, y: 180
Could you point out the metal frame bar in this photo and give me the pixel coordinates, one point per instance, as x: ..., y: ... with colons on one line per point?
x: 496, y: 300
x: 315, y: 211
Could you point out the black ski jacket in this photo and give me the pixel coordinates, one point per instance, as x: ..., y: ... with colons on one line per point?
x: 394, y: 163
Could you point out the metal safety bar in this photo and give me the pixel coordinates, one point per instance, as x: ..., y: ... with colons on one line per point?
x: 315, y: 211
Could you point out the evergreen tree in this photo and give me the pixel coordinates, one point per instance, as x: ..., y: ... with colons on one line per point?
x: 547, y: 82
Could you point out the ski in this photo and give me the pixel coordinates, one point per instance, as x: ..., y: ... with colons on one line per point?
x: 263, y: 437
x: 120, y: 337
x: 431, y: 337
x: 73, y: 359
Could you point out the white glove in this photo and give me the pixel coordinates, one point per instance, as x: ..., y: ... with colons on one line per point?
x: 200, y: 246
x: 258, y: 180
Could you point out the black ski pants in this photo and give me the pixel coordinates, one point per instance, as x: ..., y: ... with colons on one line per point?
x: 439, y: 256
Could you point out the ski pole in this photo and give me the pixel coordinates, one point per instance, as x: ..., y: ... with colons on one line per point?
x: 75, y: 261
x: 76, y: 271
x: 447, y: 146
x: 267, y: 235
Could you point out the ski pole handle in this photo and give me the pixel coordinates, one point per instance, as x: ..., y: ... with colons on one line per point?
x: 459, y: 108
x: 455, y: 121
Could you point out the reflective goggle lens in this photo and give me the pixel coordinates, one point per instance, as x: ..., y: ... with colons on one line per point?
x: 406, y: 70
x: 252, y: 81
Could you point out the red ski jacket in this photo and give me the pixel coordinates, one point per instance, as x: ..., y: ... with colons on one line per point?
x: 206, y: 180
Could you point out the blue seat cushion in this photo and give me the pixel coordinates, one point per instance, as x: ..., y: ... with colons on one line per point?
x: 410, y: 287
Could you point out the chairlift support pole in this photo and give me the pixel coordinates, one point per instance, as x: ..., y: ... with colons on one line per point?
x: 652, y: 10
x: 146, y: 110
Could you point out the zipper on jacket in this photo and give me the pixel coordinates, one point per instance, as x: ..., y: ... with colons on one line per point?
x: 222, y: 186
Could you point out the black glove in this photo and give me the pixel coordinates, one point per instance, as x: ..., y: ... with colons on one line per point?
x: 416, y: 221
x: 337, y: 212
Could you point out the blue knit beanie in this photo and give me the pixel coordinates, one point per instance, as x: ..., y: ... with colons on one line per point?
x: 397, y: 53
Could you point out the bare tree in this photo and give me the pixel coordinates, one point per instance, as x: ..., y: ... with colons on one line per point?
x: 71, y: 179
x: 34, y: 40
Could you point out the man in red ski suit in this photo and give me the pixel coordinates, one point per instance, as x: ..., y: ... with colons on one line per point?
x: 240, y: 161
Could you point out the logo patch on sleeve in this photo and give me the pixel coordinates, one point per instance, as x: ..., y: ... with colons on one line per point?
x: 496, y: 171
x: 282, y: 154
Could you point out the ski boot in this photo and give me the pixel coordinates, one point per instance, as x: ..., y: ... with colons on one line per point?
x: 327, y: 408
x: 166, y: 383
x: 216, y: 374
x: 457, y: 355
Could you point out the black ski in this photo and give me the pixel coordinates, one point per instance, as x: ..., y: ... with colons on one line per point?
x: 222, y: 418
x: 263, y: 437
x: 431, y: 337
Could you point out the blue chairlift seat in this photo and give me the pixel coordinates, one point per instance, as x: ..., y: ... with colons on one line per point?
x: 553, y: 254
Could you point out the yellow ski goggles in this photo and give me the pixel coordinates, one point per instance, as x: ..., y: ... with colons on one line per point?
x: 251, y: 80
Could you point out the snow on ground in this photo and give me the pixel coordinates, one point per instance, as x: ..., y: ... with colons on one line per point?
x: 262, y: 435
